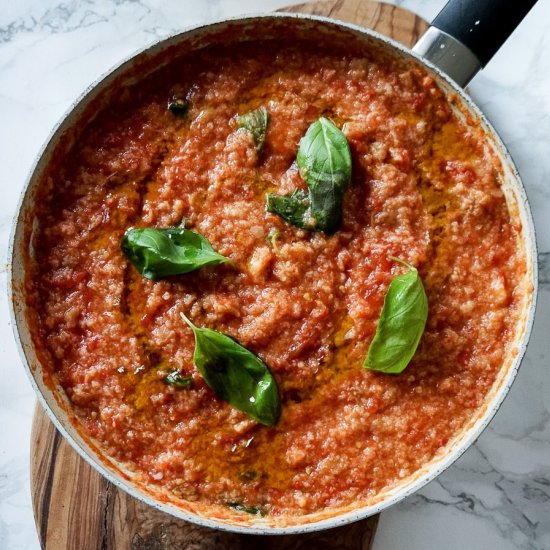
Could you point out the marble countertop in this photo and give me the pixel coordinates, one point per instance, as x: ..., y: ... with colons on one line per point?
x: 498, y: 494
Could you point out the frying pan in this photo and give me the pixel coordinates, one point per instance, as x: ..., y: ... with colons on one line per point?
x: 461, y: 40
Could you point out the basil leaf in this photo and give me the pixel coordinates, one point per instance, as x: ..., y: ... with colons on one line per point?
x: 236, y: 375
x: 256, y: 123
x: 294, y: 208
x: 401, y: 324
x: 158, y: 253
x: 178, y: 381
x: 254, y: 510
x: 324, y: 160
x: 178, y: 105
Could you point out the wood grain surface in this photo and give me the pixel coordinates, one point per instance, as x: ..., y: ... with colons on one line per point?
x: 77, y: 509
x: 393, y: 21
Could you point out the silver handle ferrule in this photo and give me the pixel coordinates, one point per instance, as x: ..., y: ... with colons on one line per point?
x: 448, y: 54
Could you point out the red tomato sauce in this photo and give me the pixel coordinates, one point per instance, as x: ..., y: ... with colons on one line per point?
x: 425, y: 188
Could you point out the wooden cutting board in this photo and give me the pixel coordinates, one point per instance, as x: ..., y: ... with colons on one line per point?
x: 76, y: 509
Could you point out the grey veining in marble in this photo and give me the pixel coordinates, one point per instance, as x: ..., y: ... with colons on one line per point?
x: 497, y: 496
x: 544, y: 270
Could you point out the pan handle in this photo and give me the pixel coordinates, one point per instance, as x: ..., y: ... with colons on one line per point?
x: 466, y: 34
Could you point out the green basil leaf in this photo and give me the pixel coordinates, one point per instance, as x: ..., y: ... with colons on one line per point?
x: 324, y: 160
x: 401, y: 324
x: 294, y: 208
x: 236, y: 375
x: 178, y: 381
x: 178, y: 105
x: 254, y: 510
x: 158, y: 253
x: 256, y: 123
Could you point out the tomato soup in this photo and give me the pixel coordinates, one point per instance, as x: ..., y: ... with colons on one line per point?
x: 425, y: 188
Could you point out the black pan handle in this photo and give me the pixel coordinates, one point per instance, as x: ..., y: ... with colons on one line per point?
x: 482, y: 25
x: 466, y: 34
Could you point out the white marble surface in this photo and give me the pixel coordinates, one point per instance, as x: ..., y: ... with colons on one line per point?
x: 498, y: 494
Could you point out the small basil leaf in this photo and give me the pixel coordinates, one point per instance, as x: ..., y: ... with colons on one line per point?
x: 324, y: 160
x: 158, y: 253
x: 401, y: 324
x: 236, y: 375
x: 178, y: 381
x: 256, y: 123
x: 254, y: 510
x: 178, y: 105
x: 294, y: 208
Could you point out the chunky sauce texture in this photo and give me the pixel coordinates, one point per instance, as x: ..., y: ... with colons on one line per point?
x: 425, y: 189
